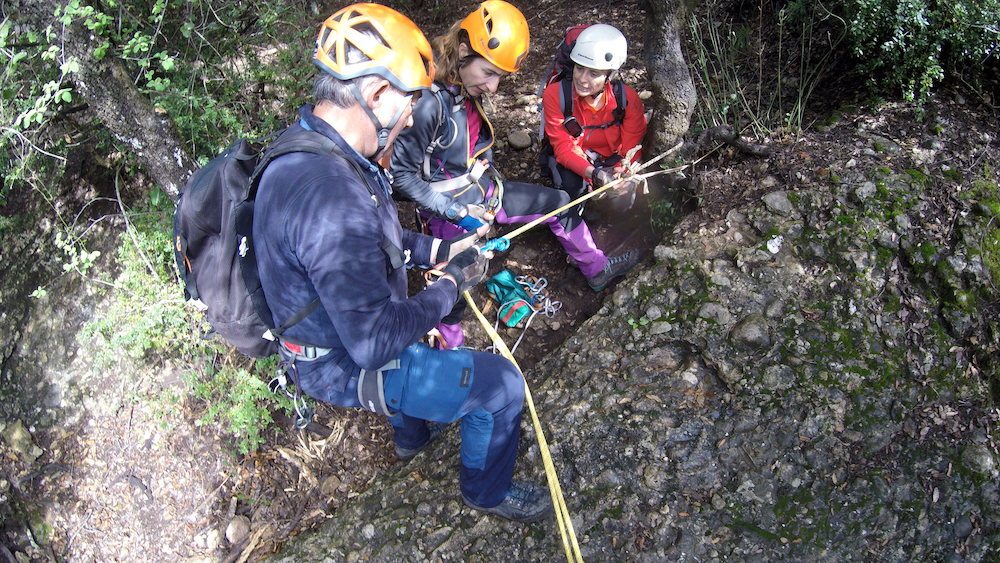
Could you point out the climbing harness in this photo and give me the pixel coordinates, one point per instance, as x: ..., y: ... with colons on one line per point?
x: 371, y: 389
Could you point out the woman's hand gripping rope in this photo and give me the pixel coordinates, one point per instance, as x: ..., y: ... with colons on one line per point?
x: 610, y: 186
x: 502, y: 244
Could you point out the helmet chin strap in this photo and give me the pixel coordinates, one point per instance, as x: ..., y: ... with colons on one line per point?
x: 381, y: 131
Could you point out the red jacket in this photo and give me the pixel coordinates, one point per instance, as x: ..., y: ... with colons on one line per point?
x: 619, y: 140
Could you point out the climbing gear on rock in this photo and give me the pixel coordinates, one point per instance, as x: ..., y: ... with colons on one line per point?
x: 519, y: 300
x: 525, y: 502
x: 616, y: 267
x: 514, y: 303
x: 279, y: 384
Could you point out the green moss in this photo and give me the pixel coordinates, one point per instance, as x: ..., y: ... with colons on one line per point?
x: 614, y: 512
x: 991, y: 253
x: 755, y: 529
x: 883, y: 257
x: 927, y: 251
x: 893, y: 304
x: 918, y: 177
x: 954, y: 175
x: 966, y: 301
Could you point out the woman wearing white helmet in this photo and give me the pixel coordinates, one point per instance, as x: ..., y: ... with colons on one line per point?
x: 592, y: 119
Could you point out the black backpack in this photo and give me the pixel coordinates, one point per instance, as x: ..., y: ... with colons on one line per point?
x: 213, y: 246
x: 561, y: 71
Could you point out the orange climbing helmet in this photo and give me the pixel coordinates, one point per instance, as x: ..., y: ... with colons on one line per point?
x: 388, y: 44
x: 499, y: 33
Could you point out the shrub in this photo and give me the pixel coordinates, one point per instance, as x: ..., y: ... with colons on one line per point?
x: 910, y: 45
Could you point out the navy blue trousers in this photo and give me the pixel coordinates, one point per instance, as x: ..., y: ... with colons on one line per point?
x: 485, y: 392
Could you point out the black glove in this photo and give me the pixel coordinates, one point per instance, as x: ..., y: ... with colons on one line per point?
x: 468, y: 268
x: 602, y: 176
x: 448, y: 249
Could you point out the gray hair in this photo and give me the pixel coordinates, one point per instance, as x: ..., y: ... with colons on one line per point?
x: 329, y: 88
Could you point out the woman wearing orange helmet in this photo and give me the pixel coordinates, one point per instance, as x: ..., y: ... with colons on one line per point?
x: 445, y: 161
x: 331, y: 252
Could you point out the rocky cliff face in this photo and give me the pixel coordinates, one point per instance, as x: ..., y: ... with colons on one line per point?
x: 802, y: 374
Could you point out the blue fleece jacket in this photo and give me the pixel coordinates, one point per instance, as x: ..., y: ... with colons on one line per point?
x: 322, y: 230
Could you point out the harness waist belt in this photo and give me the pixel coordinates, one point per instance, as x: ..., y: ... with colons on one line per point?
x: 371, y: 393
x: 452, y: 184
x: 303, y: 352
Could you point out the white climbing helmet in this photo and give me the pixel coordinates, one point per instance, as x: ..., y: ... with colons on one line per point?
x: 600, y: 47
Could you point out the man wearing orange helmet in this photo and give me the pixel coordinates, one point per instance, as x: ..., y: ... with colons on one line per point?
x: 444, y: 162
x: 327, y: 232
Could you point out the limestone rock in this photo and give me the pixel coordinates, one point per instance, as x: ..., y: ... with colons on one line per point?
x: 519, y: 139
x: 238, y: 530
x: 17, y: 438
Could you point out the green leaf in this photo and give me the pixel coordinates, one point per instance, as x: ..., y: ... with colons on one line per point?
x: 156, y: 197
x: 167, y: 64
x: 71, y: 66
x: 66, y: 96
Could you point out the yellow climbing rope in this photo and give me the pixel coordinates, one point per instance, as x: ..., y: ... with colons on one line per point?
x: 570, y: 544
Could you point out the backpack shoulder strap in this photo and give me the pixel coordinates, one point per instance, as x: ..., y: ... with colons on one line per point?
x: 618, y: 87
x: 437, y: 138
x: 566, y: 97
x: 304, y: 141
x: 286, y: 143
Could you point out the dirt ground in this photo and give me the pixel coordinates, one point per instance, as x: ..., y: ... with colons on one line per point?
x: 134, y: 483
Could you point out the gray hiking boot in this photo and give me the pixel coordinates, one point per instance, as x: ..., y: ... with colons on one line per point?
x: 435, y: 429
x: 525, y: 502
x: 616, y: 267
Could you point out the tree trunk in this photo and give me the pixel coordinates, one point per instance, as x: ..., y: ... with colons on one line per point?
x: 116, y: 101
x: 673, y: 90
